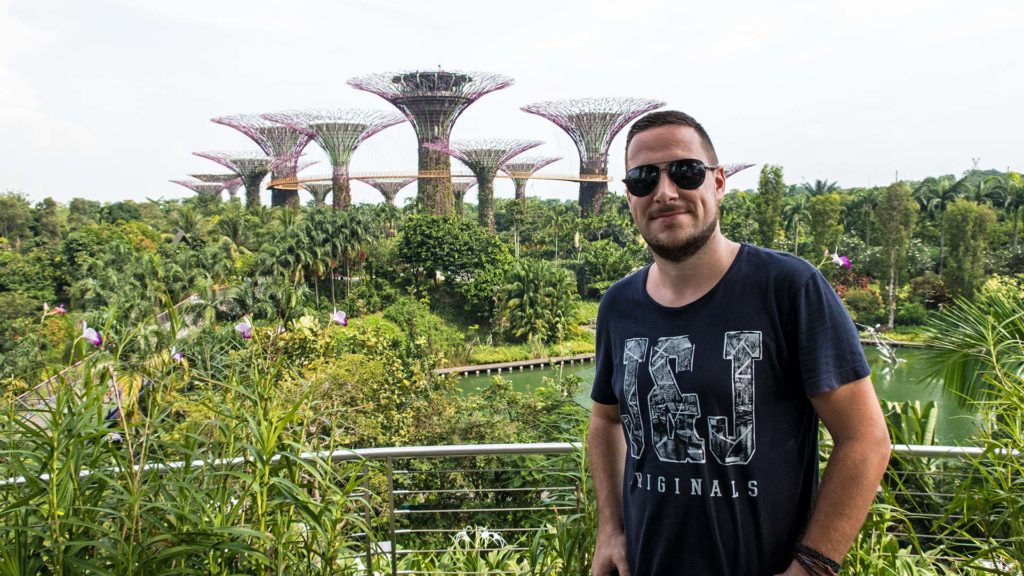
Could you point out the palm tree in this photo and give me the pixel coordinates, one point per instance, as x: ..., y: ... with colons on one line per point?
x: 1008, y: 192
x: 795, y: 211
x: 820, y: 187
x: 934, y: 195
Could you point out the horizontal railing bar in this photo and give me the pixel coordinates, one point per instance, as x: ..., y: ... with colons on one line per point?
x: 407, y: 511
x: 477, y: 450
x: 483, y: 490
x: 457, y: 530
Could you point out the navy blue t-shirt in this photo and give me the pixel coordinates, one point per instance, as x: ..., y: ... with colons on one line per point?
x: 721, y: 463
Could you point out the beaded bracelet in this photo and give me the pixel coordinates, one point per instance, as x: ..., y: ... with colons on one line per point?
x: 815, y: 562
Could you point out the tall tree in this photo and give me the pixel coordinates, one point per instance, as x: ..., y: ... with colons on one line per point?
x: 826, y: 228
x: 15, y: 215
x: 934, y: 195
x: 897, y: 214
x: 820, y: 187
x: 770, y: 188
x: 968, y: 225
x: 796, y: 213
x: 1008, y: 189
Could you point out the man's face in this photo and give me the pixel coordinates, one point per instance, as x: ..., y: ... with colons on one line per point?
x: 676, y: 223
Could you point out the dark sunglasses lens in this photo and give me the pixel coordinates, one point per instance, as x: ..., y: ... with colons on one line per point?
x: 687, y: 174
x: 642, y: 180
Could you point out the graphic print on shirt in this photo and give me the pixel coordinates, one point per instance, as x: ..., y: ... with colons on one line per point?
x: 673, y: 413
x: 743, y: 348
x: 633, y: 355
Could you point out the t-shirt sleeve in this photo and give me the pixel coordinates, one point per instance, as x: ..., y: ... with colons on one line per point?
x: 830, y: 353
x: 602, y: 390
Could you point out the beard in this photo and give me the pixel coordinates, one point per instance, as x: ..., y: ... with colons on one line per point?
x: 683, y: 249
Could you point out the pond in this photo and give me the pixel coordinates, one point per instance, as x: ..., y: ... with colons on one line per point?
x: 906, y: 382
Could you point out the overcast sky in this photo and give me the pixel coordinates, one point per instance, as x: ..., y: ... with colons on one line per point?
x: 107, y: 99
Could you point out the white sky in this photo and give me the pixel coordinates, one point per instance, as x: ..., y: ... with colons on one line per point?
x: 106, y: 99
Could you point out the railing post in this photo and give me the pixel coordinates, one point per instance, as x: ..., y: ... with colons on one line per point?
x: 391, y: 515
x: 369, y: 520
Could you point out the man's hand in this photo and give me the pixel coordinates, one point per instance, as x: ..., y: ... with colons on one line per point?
x: 610, y: 556
x: 795, y: 569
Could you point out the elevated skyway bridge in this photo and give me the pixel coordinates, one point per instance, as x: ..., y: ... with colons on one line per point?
x: 296, y: 182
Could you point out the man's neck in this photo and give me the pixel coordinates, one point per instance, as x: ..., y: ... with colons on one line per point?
x: 675, y: 284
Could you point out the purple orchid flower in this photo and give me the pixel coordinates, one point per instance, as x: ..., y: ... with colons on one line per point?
x: 339, y: 318
x: 840, y: 260
x: 91, y: 336
x: 177, y: 356
x: 245, y: 328
x: 59, y: 310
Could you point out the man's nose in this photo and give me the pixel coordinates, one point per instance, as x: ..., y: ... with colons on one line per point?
x: 665, y: 187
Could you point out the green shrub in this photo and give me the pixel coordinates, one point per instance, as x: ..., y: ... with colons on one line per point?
x: 911, y: 314
x: 865, y: 305
x: 537, y: 302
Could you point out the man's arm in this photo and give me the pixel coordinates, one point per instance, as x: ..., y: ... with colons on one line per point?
x: 860, y: 454
x: 606, y: 449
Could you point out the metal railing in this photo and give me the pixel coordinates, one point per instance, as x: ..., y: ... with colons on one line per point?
x: 422, y: 500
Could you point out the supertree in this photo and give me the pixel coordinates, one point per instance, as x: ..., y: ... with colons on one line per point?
x: 251, y: 166
x: 389, y: 187
x: 592, y: 123
x: 484, y: 158
x: 523, y: 168
x: 205, y: 190
x: 320, y: 191
x: 432, y: 100
x: 276, y: 140
x: 339, y: 132
x: 231, y: 181
x: 459, y: 188
x: 731, y: 169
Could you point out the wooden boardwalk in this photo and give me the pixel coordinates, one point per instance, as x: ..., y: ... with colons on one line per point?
x: 500, y: 367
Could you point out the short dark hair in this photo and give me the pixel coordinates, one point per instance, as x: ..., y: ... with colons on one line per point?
x: 672, y: 118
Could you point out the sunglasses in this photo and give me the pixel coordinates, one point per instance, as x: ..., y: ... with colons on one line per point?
x: 687, y: 174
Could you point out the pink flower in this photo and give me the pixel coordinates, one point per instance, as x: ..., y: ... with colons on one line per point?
x: 840, y: 260
x: 339, y: 318
x: 245, y: 328
x: 59, y: 310
x: 91, y: 336
x: 177, y: 356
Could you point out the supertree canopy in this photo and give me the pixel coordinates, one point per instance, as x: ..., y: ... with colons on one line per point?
x: 231, y: 181
x: 389, y: 187
x: 731, y: 169
x: 320, y: 191
x: 459, y: 188
x: 251, y: 166
x: 592, y: 123
x: 339, y: 132
x: 275, y: 140
x: 484, y: 158
x: 432, y: 100
x: 523, y: 168
x: 205, y: 190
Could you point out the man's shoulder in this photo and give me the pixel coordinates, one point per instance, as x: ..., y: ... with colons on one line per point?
x: 625, y: 287
x: 777, y: 264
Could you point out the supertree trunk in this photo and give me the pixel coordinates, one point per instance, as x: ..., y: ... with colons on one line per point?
x: 485, y: 202
x: 520, y: 189
x: 342, y: 197
x: 591, y: 194
x: 252, y: 190
x: 436, y: 192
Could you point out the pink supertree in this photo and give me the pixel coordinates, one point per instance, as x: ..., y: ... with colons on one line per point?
x: 459, y: 188
x: 320, y: 191
x: 523, y: 168
x: 731, y: 169
x: 432, y: 100
x: 205, y: 190
x: 592, y: 123
x: 251, y: 166
x: 231, y: 181
x: 277, y: 141
x: 388, y: 187
x: 339, y: 132
x: 484, y: 158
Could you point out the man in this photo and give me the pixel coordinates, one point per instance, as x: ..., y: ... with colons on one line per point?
x: 714, y: 364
